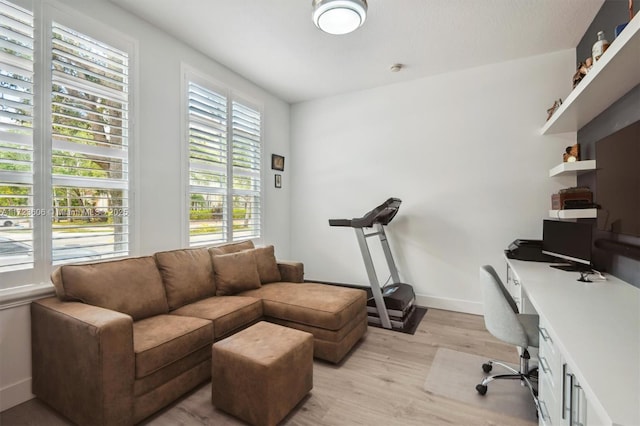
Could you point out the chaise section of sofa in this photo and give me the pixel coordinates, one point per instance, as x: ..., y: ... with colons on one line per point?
x: 336, y: 316
x: 124, y: 338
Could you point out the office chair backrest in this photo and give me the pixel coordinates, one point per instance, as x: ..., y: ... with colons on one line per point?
x: 500, y: 311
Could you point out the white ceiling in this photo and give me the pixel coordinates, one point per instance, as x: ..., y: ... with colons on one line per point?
x: 275, y: 44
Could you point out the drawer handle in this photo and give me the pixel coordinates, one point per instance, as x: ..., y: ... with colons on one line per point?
x: 544, y: 364
x: 545, y: 334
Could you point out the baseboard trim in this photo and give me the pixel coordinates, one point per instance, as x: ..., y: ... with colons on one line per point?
x: 448, y: 304
x: 15, y: 394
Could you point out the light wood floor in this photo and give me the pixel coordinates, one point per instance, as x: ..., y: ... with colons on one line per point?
x: 379, y: 383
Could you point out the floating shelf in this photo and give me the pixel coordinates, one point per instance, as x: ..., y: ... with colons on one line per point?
x: 574, y: 214
x: 610, y: 78
x: 573, y: 168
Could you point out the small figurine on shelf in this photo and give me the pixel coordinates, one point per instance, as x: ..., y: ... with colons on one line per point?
x: 599, y: 47
x: 554, y: 107
x: 571, y: 154
x: 583, y: 69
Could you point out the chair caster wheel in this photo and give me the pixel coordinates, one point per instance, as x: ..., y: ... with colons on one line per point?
x: 482, y: 389
x: 487, y: 367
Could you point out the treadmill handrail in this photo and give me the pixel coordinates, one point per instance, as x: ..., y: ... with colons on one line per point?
x: 383, y: 214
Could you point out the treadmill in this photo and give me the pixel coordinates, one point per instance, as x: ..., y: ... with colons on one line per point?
x: 393, y: 305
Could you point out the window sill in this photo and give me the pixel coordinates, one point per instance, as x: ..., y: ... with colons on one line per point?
x: 16, y: 296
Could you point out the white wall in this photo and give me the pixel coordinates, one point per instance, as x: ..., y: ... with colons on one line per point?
x: 15, y: 356
x: 463, y: 152
x: 157, y: 190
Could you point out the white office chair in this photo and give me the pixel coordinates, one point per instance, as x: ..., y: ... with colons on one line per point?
x: 502, y: 319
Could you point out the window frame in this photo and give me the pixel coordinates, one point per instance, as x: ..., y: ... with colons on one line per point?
x: 192, y: 74
x: 44, y: 14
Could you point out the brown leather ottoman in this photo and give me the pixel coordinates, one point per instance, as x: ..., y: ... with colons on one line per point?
x: 262, y: 372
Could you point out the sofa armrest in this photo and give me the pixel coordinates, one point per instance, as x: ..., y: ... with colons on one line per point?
x: 83, y: 361
x: 292, y: 272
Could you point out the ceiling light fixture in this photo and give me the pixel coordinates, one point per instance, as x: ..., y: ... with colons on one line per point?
x: 339, y: 16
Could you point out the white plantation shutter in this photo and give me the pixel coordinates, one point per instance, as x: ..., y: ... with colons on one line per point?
x: 207, y: 165
x: 224, y: 139
x: 16, y: 137
x: 90, y: 143
x: 64, y: 186
x: 246, y: 171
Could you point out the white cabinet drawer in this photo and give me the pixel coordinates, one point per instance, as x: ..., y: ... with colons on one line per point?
x: 549, y: 359
x: 549, y: 402
x: 514, y: 287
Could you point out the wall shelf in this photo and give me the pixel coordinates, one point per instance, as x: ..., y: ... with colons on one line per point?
x: 573, y: 168
x: 610, y: 78
x: 574, y: 214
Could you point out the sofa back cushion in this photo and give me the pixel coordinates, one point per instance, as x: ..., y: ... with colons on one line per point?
x: 187, y: 275
x: 231, y: 247
x: 235, y: 272
x: 132, y: 286
x: 267, y: 265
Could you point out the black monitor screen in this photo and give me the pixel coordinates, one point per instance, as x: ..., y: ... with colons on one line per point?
x: 567, y: 240
x: 618, y: 181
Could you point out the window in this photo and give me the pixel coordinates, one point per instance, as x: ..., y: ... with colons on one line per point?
x: 89, y: 159
x: 16, y: 137
x: 64, y: 146
x: 224, y: 138
x: 245, y: 151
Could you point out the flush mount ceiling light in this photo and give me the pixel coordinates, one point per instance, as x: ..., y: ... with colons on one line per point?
x: 339, y: 16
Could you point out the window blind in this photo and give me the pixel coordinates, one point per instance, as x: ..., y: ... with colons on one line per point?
x: 16, y: 137
x: 224, y: 139
x: 246, y: 171
x: 207, y: 126
x: 90, y: 147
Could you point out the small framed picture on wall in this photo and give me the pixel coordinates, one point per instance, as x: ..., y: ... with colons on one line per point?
x: 277, y: 162
x: 278, y: 181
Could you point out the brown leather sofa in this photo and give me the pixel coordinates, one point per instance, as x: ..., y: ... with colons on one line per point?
x: 124, y: 338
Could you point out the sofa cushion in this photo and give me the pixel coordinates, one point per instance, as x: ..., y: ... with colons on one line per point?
x: 267, y: 265
x: 132, y: 286
x: 231, y: 247
x: 228, y: 313
x: 322, y: 333
x: 291, y: 272
x: 187, y: 275
x: 235, y: 272
x: 163, y: 339
x: 319, y: 305
x: 175, y: 371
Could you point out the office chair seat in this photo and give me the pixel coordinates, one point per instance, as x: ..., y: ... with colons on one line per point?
x: 502, y: 319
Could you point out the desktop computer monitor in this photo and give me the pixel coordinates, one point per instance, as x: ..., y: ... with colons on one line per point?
x: 570, y: 241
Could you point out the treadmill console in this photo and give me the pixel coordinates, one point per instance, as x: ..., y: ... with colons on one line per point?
x: 383, y: 214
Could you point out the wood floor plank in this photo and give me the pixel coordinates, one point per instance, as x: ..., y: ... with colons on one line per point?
x: 380, y: 383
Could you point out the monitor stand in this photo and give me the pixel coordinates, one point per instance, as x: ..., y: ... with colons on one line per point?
x: 573, y: 267
x: 584, y: 270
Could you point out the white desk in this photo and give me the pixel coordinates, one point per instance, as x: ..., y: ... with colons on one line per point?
x: 597, y: 327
